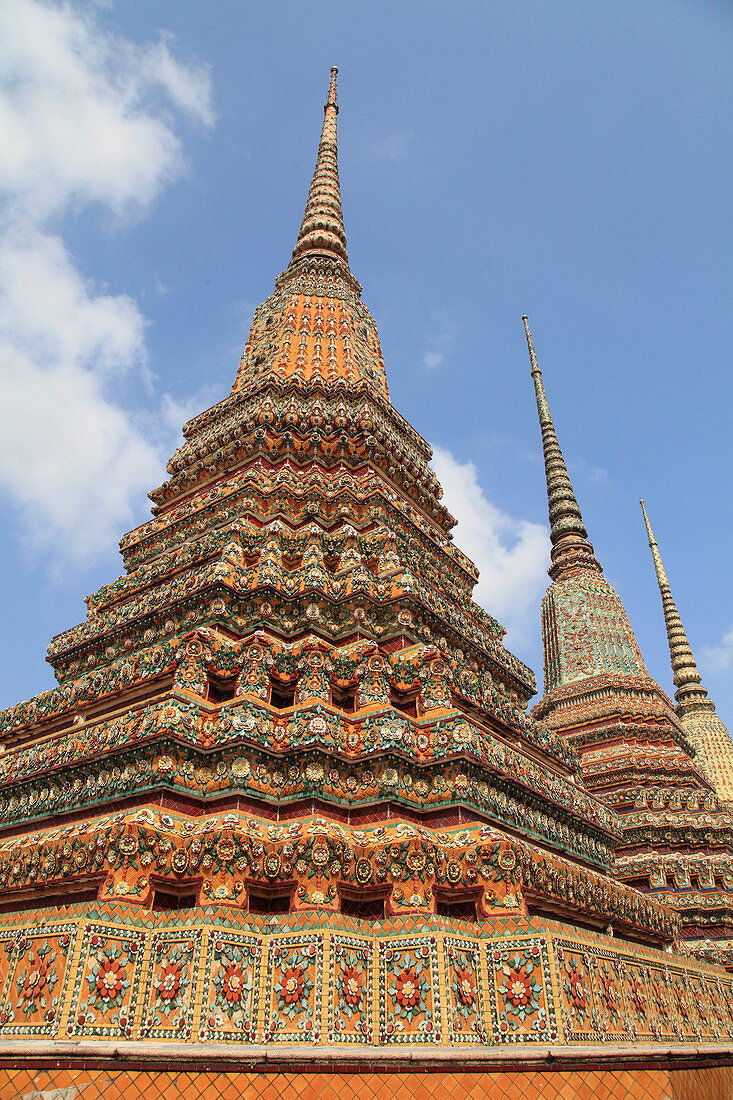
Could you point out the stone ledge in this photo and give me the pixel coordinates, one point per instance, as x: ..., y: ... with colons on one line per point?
x: 320, y: 1058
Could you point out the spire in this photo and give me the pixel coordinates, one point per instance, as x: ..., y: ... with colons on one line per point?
x: 690, y: 693
x: 322, y: 230
x: 571, y: 547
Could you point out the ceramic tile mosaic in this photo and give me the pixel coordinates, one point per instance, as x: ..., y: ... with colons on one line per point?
x: 351, y: 990
x: 294, y: 982
x: 230, y: 1008
x: 34, y: 991
x: 304, y: 978
x: 106, y: 990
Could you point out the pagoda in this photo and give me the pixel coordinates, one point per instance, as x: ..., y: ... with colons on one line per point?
x: 662, y: 770
x: 695, y: 709
x: 286, y: 815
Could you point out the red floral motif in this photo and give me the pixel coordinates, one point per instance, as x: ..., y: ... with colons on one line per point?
x: 639, y: 997
x: 579, y: 989
x: 466, y: 988
x: 109, y: 979
x: 611, y: 993
x: 233, y: 983
x: 291, y: 985
x: 353, y: 985
x: 682, y: 1004
x: 170, y: 981
x: 518, y: 987
x: 408, y: 988
x: 36, y: 981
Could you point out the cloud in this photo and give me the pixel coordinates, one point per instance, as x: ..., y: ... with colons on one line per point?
x: 512, y: 554
x: 433, y: 359
x: 580, y: 468
x: 86, y: 117
x: 437, y: 349
x: 81, y: 111
x: 718, y: 658
x: 392, y: 147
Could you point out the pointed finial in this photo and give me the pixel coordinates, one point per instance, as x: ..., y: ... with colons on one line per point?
x: 322, y: 229
x: 571, y: 547
x: 331, y: 101
x: 690, y: 693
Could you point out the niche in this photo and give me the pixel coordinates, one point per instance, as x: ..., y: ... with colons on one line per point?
x: 364, y: 905
x: 404, y: 701
x: 344, y: 698
x: 221, y: 690
x: 459, y: 906
x: 282, y: 696
x: 269, y: 901
x: 165, y: 900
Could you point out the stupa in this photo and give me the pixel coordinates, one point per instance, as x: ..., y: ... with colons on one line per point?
x: 696, y: 710
x: 635, y: 750
x: 286, y: 826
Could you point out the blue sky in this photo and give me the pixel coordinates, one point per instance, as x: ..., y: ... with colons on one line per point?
x: 571, y: 160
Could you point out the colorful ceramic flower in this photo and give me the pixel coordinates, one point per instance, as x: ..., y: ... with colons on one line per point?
x: 408, y: 988
x: 110, y: 978
x: 291, y: 985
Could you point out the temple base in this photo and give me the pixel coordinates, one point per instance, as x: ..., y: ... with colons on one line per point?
x: 51, y: 1071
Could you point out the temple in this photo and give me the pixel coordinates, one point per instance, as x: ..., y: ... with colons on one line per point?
x: 286, y: 813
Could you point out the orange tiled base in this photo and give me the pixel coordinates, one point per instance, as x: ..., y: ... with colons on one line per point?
x: 711, y: 1083
x: 221, y: 978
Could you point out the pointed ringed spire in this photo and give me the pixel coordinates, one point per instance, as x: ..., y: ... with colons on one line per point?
x: 322, y: 229
x: 690, y: 693
x: 571, y: 548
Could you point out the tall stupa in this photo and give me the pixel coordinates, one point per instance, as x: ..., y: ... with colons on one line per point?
x: 286, y: 828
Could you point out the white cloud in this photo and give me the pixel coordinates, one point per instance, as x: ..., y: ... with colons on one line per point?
x: 85, y: 117
x: 580, y: 468
x: 48, y: 311
x: 437, y: 349
x: 72, y: 460
x: 393, y: 146
x: 433, y: 359
x: 80, y: 113
x: 719, y: 658
x: 512, y: 554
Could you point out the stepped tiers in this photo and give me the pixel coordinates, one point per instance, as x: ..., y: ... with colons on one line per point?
x: 287, y: 790
x: 643, y: 758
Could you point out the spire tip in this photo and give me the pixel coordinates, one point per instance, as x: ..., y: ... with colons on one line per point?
x: 332, y: 99
x: 571, y: 547
x: 690, y: 693
x: 322, y: 229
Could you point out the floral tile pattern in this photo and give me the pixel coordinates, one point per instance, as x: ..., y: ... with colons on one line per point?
x: 608, y: 980
x: 464, y: 991
x: 350, y: 1001
x: 232, y: 988
x: 409, y: 991
x: 521, y: 1008
x: 37, y: 976
x: 106, y: 988
x: 295, y: 978
x: 171, y: 983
